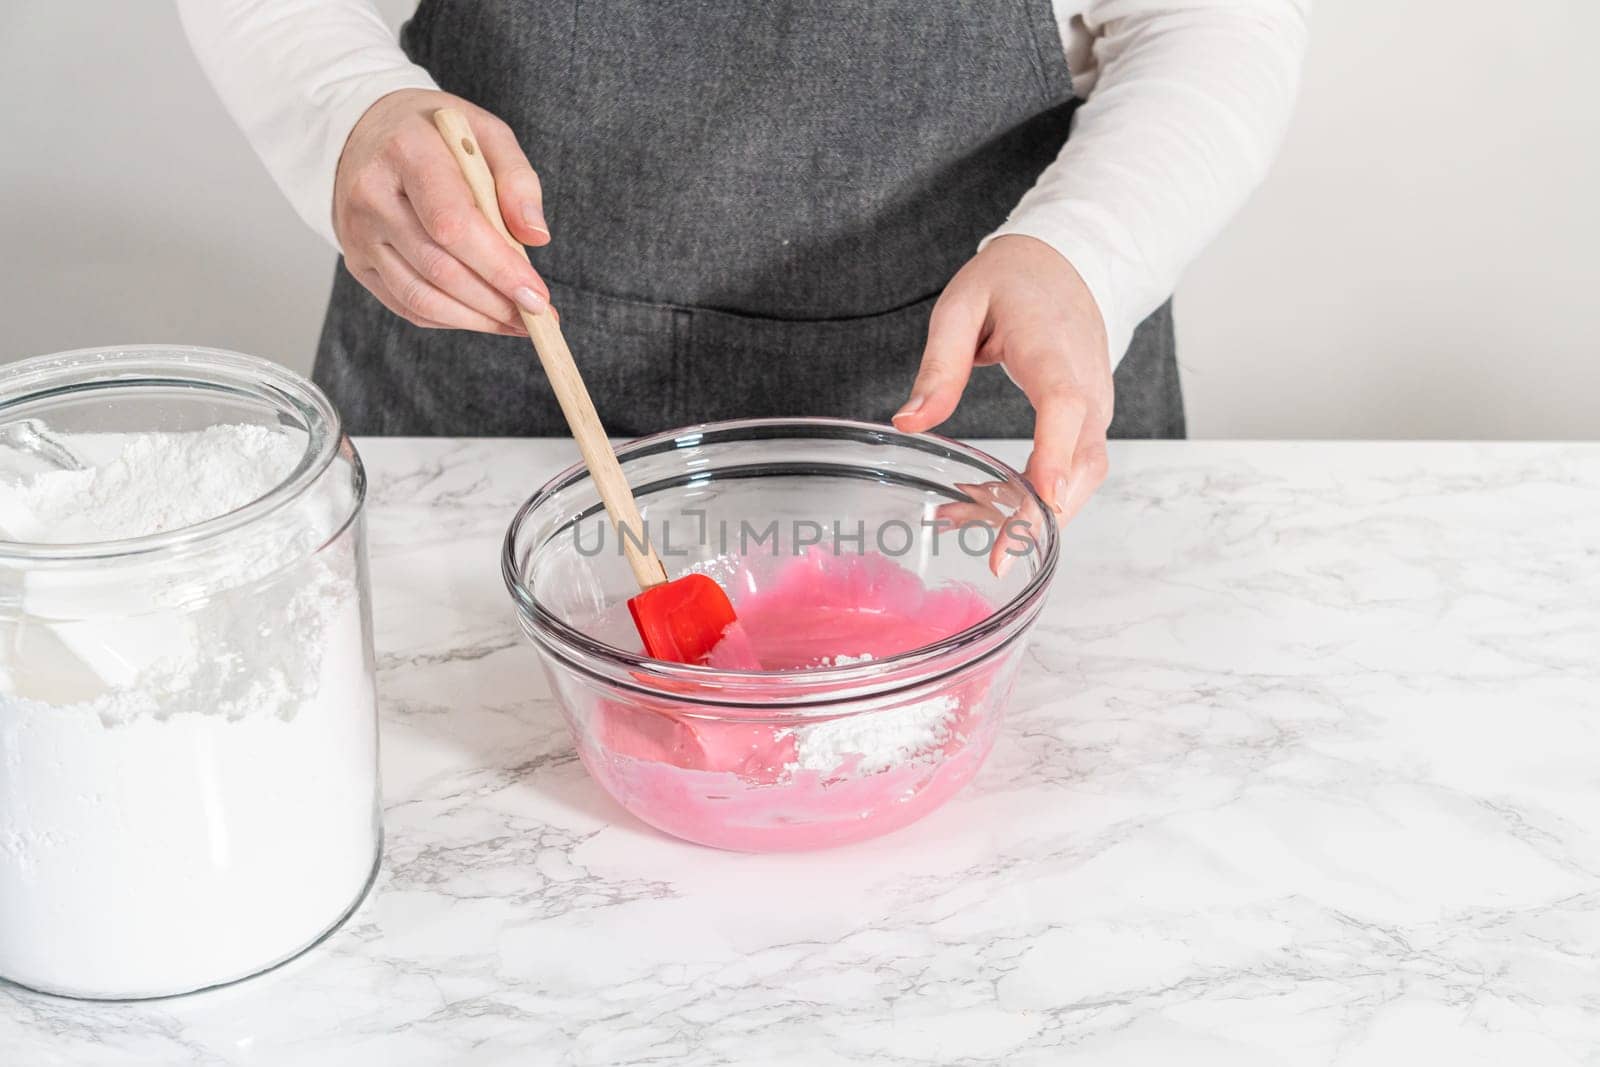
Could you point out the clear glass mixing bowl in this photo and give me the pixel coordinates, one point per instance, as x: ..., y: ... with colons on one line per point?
x: 188, y: 725
x: 799, y: 758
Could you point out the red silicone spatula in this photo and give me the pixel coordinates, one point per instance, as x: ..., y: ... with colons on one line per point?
x: 687, y: 620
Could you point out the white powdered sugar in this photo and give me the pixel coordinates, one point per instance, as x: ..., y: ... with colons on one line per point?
x: 876, y: 741
x: 152, y: 483
x: 844, y: 660
x: 873, y: 742
x: 187, y: 745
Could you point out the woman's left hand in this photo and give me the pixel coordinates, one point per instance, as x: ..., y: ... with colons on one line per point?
x: 1018, y: 303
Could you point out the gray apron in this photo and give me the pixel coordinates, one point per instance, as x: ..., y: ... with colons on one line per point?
x: 754, y: 208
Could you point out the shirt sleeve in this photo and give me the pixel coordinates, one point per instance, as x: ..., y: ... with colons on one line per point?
x: 296, y: 75
x: 1186, y: 104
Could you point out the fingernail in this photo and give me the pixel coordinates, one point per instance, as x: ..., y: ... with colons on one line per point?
x: 912, y: 406
x: 528, y: 300
x: 1060, y: 493
x: 1002, y: 566
x: 533, y: 216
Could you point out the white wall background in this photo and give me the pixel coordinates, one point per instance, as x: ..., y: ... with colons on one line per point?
x: 1422, y: 262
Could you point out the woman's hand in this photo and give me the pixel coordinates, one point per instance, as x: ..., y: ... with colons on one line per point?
x: 1020, y: 304
x: 411, y: 232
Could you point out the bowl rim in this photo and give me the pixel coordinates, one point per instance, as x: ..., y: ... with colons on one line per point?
x: 62, y: 374
x: 721, y: 687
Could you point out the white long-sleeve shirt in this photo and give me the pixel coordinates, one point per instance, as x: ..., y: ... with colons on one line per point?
x: 1186, y: 101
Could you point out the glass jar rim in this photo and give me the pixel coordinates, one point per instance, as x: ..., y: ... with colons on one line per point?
x: 64, y: 374
x: 738, y: 689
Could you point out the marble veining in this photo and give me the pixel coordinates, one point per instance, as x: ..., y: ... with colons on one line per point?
x: 1304, y: 767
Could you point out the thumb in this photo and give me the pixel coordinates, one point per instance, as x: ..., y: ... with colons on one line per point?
x: 521, y: 195
x: 946, y: 364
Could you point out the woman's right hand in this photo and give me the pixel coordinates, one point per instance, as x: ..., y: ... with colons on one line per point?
x: 411, y: 232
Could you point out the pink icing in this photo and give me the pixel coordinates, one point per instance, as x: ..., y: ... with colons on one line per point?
x: 739, y: 784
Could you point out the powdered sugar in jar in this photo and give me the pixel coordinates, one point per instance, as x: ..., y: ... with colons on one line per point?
x: 188, y: 727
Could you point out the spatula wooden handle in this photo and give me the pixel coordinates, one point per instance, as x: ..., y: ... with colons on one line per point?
x: 559, y: 367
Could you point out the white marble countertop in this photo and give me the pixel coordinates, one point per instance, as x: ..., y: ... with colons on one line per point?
x: 1304, y: 768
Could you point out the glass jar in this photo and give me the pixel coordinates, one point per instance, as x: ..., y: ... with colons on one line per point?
x: 188, y: 723
x: 850, y: 747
